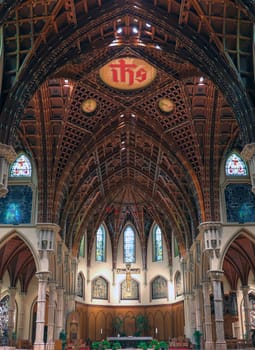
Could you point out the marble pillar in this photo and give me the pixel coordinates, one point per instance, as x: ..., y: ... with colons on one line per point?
x: 245, y: 291
x: 41, y: 304
x: 209, y: 344
x: 51, y: 315
x: 216, y: 277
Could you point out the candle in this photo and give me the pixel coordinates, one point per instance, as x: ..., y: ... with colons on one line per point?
x: 101, y: 330
x: 156, y: 330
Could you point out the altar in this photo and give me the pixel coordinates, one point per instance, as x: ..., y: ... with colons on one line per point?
x: 129, y: 342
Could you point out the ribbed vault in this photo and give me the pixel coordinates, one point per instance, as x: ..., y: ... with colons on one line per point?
x: 128, y: 161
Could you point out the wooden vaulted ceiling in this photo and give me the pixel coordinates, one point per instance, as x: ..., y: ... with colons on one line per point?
x: 17, y: 259
x: 128, y: 161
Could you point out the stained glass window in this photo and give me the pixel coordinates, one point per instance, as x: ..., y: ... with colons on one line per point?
x: 157, y: 244
x: 82, y: 248
x: 129, y: 245
x: 240, y: 203
x: 100, y: 288
x: 100, y: 244
x: 21, y: 167
x: 235, y: 166
x: 16, y: 207
x: 80, y: 285
x: 176, y: 248
x: 178, y: 283
x: 130, y: 293
x: 159, y: 288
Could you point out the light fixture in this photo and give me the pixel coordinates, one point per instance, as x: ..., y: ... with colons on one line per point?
x: 201, y: 81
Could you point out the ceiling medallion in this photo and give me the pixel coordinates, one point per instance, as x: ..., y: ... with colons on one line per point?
x: 166, y: 105
x: 127, y: 73
x: 89, y: 105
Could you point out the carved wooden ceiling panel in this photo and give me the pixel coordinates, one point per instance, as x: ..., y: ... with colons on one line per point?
x: 129, y: 160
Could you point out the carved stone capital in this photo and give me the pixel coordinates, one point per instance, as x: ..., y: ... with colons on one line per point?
x: 43, y: 276
x: 212, y: 232
x: 7, y: 152
x: 248, y: 151
x: 46, y: 236
x: 216, y: 275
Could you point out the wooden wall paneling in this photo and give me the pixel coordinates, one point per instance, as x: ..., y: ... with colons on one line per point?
x: 168, y: 325
x: 168, y: 319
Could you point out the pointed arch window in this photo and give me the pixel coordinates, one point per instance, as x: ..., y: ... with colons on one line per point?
x: 235, y: 166
x: 21, y: 167
x: 100, y: 244
x: 157, y: 244
x: 129, y: 245
x: 80, y: 285
x: 82, y: 248
x: 99, y: 288
x: 159, y: 288
x: 178, y: 284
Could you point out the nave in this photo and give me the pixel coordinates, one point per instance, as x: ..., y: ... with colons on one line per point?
x: 127, y: 148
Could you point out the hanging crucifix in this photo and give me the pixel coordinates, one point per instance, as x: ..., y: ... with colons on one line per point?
x: 128, y: 271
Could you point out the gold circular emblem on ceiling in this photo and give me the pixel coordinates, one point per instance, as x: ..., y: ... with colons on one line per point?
x: 89, y: 105
x: 166, y: 105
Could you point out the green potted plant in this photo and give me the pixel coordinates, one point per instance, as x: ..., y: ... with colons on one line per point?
x: 105, y: 344
x: 142, y: 345
x: 163, y: 345
x: 116, y: 345
x: 95, y: 345
x: 141, y: 324
x: 153, y: 344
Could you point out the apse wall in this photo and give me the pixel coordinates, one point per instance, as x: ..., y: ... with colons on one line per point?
x: 156, y: 284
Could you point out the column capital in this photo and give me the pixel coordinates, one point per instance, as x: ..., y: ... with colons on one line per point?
x: 7, y: 152
x: 216, y: 275
x: 47, y: 226
x: 207, y: 225
x: 248, y: 151
x: 212, y: 232
x: 245, y: 288
x: 46, y: 236
x: 7, y: 155
x: 12, y: 290
x: 43, y: 275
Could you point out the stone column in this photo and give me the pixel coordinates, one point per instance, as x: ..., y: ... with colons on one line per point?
x: 188, y: 314
x: 41, y: 304
x: 7, y: 156
x: 69, y: 302
x: 245, y: 290
x: 198, y: 309
x: 11, y: 310
x: 60, y: 311
x: 21, y: 319
x: 209, y: 345
x: 216, y: 277
x: 51, y: 315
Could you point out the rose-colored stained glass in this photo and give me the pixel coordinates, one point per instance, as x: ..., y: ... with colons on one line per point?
x: 235, y: 166
x: 21, y: 167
